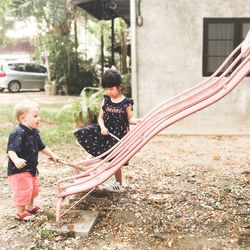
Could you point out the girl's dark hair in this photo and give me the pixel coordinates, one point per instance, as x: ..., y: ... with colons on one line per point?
x: 111, y: 78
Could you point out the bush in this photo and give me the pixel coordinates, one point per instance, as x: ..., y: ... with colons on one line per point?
x: 91, y: 101
x: 127, y: 85
x: 76, y: 75
x: 85, y: 111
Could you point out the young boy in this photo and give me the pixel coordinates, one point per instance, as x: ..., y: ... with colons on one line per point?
x: 23, y: 147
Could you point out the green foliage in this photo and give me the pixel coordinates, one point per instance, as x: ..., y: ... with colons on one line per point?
x: 49, y: 14
x: 7, y: 124
x: 91, y: 101
x: 88, y: 76
x: 54, y: 19
x: 65, y: 65
x: 121, y: 25
x: 103, y: 28
x: 69, y: 112
x: 48, y: 234
x: 127, y: 91
x: 56, y: 12
x: 55, y: 129
x: 75, y: 72
x: 43, y: 219
x: 5, y: 22
x: 61, y: 56
x: 6, y: 113
x: 83, y: 111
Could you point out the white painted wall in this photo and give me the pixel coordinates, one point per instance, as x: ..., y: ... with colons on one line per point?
x: 169, y: 60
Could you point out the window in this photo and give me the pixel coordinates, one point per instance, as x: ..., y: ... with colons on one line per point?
x: 221, y: 36
x: 40, y: 69
x: 17, y: 66
x: 29, y: 68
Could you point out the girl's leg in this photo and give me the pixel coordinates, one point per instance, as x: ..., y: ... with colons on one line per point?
x: 116, y: 186
x: 118, y: 176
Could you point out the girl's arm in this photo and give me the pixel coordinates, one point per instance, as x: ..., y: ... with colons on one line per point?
x: 19, y: 162
x: 131, y: 119
x: 49, y: 153
x: 104, y: 130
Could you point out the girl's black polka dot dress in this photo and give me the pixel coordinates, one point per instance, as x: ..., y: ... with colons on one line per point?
x: 115, y: 120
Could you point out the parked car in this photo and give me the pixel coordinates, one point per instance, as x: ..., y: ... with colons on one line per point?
x: 15, y: 76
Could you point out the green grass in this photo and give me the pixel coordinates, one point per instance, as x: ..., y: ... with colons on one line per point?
x: 55, y: 129
x: 6, y: 112
x: 6, y: 124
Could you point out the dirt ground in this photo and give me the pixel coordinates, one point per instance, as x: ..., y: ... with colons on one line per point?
x: 181, y: 192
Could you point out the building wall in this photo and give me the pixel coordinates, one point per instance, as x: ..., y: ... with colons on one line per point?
x: 169, y: 60
x: 21, y: 50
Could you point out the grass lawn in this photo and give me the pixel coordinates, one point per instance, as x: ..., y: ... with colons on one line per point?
x: 55, y: 128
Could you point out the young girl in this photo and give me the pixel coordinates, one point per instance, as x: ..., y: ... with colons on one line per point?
x: 114, y: 117
x: 23, y: 147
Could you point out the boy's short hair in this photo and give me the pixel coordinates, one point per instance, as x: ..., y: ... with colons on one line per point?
x: 111, y: 78
x: 23, y: 107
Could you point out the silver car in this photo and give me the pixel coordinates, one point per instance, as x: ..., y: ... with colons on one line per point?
x: 15, y: 76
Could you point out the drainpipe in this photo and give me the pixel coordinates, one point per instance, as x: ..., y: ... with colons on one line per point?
x: 112, y: 41
x: 134, y: 76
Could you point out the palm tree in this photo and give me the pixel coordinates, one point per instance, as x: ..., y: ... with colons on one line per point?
x: 5, y: 22
x: 51, y: 16
x: 54, y: 21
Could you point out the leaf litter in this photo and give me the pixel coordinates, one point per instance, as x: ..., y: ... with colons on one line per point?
x: 181, y: 192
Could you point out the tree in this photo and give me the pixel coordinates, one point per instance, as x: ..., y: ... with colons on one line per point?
x: 54, y: 20
x: 123, y: 36
x: 5, y: 22
x: 52, y: 16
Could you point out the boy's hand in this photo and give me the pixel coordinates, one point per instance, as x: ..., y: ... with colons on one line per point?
x: 51, y: 155
x: 20, y: 163
x: 54, y: 158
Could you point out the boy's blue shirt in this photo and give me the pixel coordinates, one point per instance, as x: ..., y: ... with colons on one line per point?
x: 26, y: 143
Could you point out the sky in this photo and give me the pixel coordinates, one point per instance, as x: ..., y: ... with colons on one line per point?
x: 28, y: 29
x: 23, y: 29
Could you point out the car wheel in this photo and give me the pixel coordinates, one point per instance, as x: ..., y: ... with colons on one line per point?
x: 1, y: 89
x: 14, y: 86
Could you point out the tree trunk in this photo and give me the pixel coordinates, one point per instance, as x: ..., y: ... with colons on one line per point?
x: 124, y: 52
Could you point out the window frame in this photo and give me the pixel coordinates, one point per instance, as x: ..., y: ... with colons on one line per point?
x: 237, y: 37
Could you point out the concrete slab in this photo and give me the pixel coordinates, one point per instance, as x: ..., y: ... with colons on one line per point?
x: 84, y: 221
x: 95, y: 197
x: 187, y: 127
